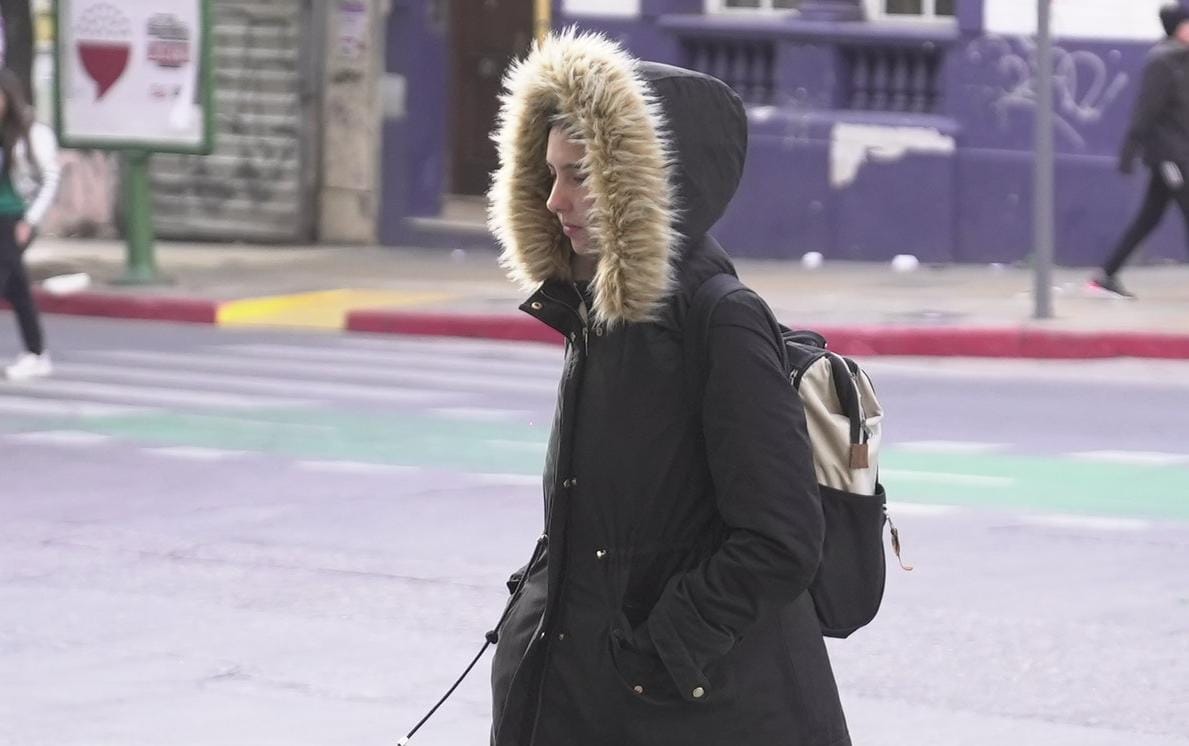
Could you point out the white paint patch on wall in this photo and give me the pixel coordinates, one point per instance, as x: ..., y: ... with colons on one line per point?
x: 1078, y: 19
x: 615, y: 8
x: 852, y: 145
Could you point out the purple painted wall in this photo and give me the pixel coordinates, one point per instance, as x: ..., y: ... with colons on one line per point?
x: 971, y: 203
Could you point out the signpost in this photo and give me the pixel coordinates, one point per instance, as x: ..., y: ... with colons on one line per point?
x: 1043, y: 184
x: 134, y: 76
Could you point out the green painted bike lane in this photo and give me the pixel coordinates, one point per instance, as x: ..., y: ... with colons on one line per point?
x: 1006, y: 481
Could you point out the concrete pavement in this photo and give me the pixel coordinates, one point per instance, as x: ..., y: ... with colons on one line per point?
x: 863, y: 308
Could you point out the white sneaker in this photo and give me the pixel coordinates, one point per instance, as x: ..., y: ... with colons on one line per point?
x: 29, y: 366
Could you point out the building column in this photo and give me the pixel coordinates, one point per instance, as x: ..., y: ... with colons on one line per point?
x: 832, y: 10
x: 349, y: 198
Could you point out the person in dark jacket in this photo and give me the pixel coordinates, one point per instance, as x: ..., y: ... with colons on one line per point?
x: 1159, y: 133
x: 665, y: 603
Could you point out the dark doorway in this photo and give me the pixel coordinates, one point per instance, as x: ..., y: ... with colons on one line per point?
x: 485, y: 35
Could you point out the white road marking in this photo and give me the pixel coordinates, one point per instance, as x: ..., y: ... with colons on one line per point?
x: 355, y: 467
x: 1135, y: 458
x: 250, y: 383
x: 946, y: 446
x: 509, y: 480
x: 1093, y: 523
x: 60, y: 438
x: 66, y: 407
x: 444, y: 382
x: 920, y: 509
x: 527, y: 446
x: 404, y: 361
x: 196, y: 453
x: 165, y: 396
x: 931, y: 477
x: 480, y: 414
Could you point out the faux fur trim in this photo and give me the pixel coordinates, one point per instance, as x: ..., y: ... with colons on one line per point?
x: 594, y: 87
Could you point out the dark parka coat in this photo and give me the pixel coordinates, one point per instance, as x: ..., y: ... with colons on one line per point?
x: 665, y: 603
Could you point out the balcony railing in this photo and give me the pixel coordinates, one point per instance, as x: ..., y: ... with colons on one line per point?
x: 886, y: 78
x: 747, y: 66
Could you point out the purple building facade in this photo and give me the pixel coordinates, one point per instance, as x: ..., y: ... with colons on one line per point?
x: 873, y: 133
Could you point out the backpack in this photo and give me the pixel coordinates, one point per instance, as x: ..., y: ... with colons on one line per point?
x: 844, y: 418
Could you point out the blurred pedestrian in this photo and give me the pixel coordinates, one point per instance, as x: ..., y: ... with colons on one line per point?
x: 29, y: 175
x: 1159, y: 134
x: 665, y: 603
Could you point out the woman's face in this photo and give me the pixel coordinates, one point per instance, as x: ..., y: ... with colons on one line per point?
x: 568, y: 199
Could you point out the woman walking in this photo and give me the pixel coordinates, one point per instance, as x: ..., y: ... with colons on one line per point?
x: 29, y: 174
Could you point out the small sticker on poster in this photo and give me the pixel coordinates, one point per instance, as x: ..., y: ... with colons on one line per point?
x: 133, y: 74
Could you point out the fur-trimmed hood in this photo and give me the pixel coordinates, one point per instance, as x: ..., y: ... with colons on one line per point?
x: 664, y: 154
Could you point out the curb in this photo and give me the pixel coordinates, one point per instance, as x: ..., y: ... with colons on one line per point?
x: 152, y: 308
x: 846, y: 340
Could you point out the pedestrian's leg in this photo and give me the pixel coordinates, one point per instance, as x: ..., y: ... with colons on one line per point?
x: 20, y: 295
x: 1182, y: 197
x: 1150, y: 213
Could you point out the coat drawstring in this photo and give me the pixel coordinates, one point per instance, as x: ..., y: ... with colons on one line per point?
x: 491, y: 638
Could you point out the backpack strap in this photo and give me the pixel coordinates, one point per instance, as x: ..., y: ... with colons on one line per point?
x: 696, y: 329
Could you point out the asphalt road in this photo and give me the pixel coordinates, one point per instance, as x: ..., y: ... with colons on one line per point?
x: 238, y: 537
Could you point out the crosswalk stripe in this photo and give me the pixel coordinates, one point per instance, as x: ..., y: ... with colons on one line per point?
x: 946, y: 446
x: 355, y: 467
x: 454, y: 348
x: 195, y: 453
x: 163, y: 396
x: 509, y: 480
x: 966, y: 480
x: 60, y: 438
x: 434, y: 380
x: 1140, y: 458
x: 66, y: 408
x: 1094, y: 523
x: 316, y: 389
x: 480, y: 414
x: 405, y: 360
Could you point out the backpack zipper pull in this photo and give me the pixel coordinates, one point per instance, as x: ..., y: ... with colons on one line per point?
x: 896, y: 542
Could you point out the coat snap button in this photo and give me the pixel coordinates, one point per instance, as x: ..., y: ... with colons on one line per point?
x: 601, y: 553
x: 598, y: 331
x: 638, y: 689
x: 561, y: 635
x: 698, y: 693
x: 568, y: 483
x: 536, y: 305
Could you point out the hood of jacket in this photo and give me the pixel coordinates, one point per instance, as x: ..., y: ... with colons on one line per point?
x: 664, y: 152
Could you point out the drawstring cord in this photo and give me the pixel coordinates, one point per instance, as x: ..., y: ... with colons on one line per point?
x: 491, y: 638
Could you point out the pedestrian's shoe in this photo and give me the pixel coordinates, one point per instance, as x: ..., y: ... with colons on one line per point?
x: 29, y: 366
x: 1108, y: 286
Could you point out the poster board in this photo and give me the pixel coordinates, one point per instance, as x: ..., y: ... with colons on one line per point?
x: 134, y: 75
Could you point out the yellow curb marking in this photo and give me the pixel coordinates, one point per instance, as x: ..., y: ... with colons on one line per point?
x: 324, y: 309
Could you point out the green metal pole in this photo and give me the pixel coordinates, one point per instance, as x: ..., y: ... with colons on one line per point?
x: 138, y: 221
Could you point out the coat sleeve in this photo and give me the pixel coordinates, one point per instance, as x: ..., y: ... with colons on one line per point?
x: 1153, y: 97
x: 45, y: 150
x: 761, y: 465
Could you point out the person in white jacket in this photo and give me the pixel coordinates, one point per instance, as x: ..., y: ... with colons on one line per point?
x: 29, y: 174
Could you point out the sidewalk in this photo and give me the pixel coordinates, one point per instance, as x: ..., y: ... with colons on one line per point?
x: 862, y: 308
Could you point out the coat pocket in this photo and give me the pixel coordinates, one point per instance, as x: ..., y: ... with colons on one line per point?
x: 641, y: 675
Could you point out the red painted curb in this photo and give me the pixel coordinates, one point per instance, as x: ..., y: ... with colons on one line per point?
x: 847, y: 340
x: 507, y: 328
x: 156, y: 308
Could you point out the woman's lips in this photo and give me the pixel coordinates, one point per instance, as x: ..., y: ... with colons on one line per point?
x: 571, y: 230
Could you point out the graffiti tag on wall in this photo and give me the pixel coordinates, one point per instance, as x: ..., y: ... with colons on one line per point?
x: 1086, y: 84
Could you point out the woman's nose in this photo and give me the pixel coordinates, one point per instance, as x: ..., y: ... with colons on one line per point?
x: 558, y: 202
